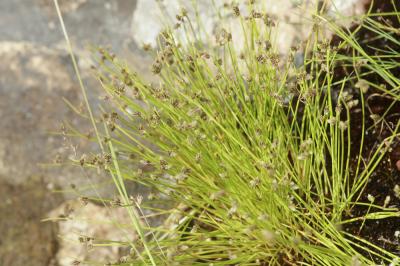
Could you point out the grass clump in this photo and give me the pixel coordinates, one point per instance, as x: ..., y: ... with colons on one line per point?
x: 254, y: 154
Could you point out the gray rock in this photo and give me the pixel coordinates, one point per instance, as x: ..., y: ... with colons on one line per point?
x: 93, y: 221
x: 89, y: 22
x: 35, y: 76
x: 293, y: 18
x: 32, y: 86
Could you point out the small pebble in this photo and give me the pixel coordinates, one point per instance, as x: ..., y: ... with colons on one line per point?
x: 398, y: 165
x: 371, y: 198
x: 386, y: 202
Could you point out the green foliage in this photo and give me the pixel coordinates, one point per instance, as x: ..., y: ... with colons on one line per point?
x: 252, y: 151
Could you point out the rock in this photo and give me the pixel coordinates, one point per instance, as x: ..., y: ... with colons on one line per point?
x: 65, y: 6
x: 147, y: 19
x: 340, y: 8
x: 293, y: 20
x: 25, y: 240
x: 32, y: 86
x: 398, y: 165
x: 87, y: 222
x: 35, y: 75
x: 105, y: 22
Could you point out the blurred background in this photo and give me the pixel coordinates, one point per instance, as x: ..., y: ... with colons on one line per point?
x: 36, y: 74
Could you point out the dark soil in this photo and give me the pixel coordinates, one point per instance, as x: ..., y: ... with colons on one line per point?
x: 387, y: 175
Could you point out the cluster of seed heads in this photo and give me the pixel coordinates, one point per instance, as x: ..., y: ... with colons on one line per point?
x: 84, y: 200
x: 182, y: 15
x: 96, y: 160
x: 233, y: 210
x: 305, y: 149
x: 164, y: 166
x: 166, y: 55
x: 85, y: 239
x: 156, y: 67
x: 146, y: 47
x: 217, y: 195
x: 116, y: 202
x: 255, y: 182
x: 261, y: 58
x: 347, y: 98
x: 119, y: 89
x: 363, y: 85
x: 255, y: 14
x: 236, y: 10
x: 268, y: 21
x: 110, y: 119
x: 191, y: 63
x: 275, y: 59
x: 323, y: 47
x: 223, y: 37
x: 126, y: 78
x: 264, y: 45
x: 343, y: 125
x: 106, y: 55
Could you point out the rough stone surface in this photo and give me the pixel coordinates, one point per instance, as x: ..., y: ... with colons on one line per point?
x: 35, y: 76
x: 93, y: 221
x: 89, y: 22
x: 32, y: 86
x: 25, y: 240
x: 292, y: 17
